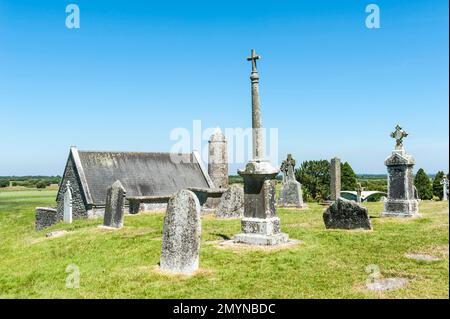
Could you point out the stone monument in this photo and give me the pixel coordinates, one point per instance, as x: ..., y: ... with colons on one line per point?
x: 444, y: 183
x: 231, y: 203
x: 67, y: 217
x: 218, y: 159
x: 335, y: 178
x: 359, y: 190
x: 401, y: 201
x: 346, y: 214
x: 291, y: 190
x: 115, y: 205
x: 181, y: 234
x: 260, y: 224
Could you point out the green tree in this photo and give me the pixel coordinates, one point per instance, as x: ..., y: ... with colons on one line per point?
x: 423, y: 185
x: 315, y: 179
x: 348, y: 177
x: 437, y: 187
x: 41, y: 184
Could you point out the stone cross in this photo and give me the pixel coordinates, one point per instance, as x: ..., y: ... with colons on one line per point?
x: 115, y: 205
x: 68, y: 204
x: 287, y: 167
x: 399, y: 134
x: 359, y: 190
x: 258, y: 147
x: 181, y: 234
x: 444, y: 183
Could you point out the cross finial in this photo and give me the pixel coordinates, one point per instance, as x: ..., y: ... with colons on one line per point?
x: 253, y: 58
x: 399, y: 134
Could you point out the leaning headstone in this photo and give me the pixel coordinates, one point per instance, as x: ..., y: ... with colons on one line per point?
x: 401, y: 201
x: 67, y: 217
x: 291, y: 190
x: 115, y: 205
x: 346, y: 214
x: 335, y: 178
x: 181, y: 234
x: 231, y: 203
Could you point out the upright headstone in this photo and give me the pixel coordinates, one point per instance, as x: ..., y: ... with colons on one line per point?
x: 260, y: 224
x: 231, y: 203
x: 346, y: 214
x: 291, y: 190
x: 401, y: 201
x: 67, y: 217
x: 181, y: 234
x: 359, y: 190
x: 444, y: 183
x: 115, y: 205
x: 335, y: 178
x: 218, y: 159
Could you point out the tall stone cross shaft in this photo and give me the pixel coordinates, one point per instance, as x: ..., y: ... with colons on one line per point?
x: 258, y: 147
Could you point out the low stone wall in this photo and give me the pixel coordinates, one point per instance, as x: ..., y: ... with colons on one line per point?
x: 147, y: 203
x: 45, y: 217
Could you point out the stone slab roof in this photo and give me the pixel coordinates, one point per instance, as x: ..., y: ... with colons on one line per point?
x: 141, y: 174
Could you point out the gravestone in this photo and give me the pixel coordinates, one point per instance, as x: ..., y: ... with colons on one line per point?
x: 67, y: 217
x: 260, y: 224
x: 401, y: 200
x: 231, y: 203
x: 359, y: 190
x: 218, y: 159
x: 346, y: 214
x: 291, y: 190
x: 335, y: 178
x: 181, y: 234
x: 444, y: 183
x: 115, y: 205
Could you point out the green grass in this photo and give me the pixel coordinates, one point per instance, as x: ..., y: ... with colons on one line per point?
x: 123, y: 263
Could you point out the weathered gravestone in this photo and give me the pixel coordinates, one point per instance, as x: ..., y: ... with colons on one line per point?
x: 401, y: 201
x: 291, y: 190
x: 181, y: 234
x: 359, y: 190
x: 444, y: 183
x: 346, y: 214
x: 115, y: 205
x: 231, y: 203
x: 335, y: 178
x: 67, y: 217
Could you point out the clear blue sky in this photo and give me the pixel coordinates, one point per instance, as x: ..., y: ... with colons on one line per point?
x: 136, y: 70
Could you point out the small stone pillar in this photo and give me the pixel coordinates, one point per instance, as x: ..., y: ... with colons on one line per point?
x: 444, y: 183
x: 181, y: 234
x: 359, y: 190
x: 218, y: 160
x: 335, y: 178
x: 401, y: 201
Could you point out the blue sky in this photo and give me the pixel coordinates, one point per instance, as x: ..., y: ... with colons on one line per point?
x: 136, y: 70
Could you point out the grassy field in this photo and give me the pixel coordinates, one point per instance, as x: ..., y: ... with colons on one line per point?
x: 123, y: 263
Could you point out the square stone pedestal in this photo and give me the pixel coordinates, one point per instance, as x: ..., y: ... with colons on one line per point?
x: 260, y: 224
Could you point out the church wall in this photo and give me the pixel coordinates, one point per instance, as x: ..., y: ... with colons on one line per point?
x: 79, y: 206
